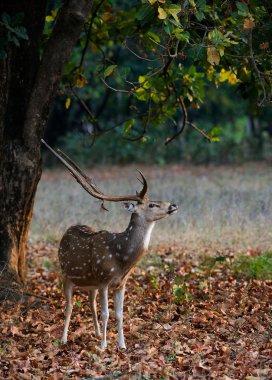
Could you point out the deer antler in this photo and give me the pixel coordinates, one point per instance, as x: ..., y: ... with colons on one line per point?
x: 78, y: 169
x: 88, y: 184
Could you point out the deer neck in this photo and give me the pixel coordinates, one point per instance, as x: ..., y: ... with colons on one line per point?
x: 137, y: 237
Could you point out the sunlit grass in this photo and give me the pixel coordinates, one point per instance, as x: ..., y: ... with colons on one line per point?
x: 219, y: 207
x: 258, y: 267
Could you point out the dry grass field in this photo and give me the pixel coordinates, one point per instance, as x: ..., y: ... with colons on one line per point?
x: 220, y: 207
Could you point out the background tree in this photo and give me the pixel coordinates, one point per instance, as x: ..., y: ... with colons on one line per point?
x: 177, y: 48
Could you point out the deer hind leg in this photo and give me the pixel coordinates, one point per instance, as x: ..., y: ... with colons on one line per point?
x: 103, y: 295
x: 118, y: 304
x: 92, y: 298
x: 68, y: 292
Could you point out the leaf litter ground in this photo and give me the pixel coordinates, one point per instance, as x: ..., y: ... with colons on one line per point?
x: 182, y: 320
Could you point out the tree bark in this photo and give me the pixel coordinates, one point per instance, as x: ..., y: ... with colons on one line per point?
x: 28, y: 86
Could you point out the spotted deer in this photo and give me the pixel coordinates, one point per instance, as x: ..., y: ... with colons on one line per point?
x: 97, y: 261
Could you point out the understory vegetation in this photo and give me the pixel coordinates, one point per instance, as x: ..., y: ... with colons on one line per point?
x: 238, y: 136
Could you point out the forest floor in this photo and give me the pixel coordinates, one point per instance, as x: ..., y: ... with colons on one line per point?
x: 183, y: 319
x: 190, y: 311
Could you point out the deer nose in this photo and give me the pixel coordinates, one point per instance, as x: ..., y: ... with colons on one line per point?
x: 172, y: 208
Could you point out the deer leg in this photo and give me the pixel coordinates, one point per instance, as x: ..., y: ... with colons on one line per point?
x: 92, y: 298
x: 118, y: 303
x: 103, y: 295
x: 68, y: 292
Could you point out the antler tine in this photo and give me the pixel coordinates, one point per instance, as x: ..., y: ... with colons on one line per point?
x: 143, y: 192
x: 84, y: 181
x: 88, y: 179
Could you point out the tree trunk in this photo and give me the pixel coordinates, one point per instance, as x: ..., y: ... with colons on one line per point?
x: 20, y: 166
x: 27, y: 87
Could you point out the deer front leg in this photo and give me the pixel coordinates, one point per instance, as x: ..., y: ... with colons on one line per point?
x: 103, y: 295
x: 92, y: 298
x: 68, y: 292
x: 118, y: 303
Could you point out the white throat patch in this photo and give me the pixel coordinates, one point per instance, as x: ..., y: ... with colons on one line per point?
x: 148, y: 235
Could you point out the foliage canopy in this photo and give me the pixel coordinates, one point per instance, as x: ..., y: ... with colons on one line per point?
x: 160, y: 55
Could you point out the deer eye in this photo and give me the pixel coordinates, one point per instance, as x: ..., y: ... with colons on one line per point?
x: 151, y: 205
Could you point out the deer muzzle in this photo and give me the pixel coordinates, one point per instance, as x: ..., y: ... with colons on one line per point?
x: 172, y: 209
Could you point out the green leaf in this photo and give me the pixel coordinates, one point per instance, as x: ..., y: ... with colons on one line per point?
x: 154, y: 36
x: 214, y: 134
x: 21, y: 32
x: 128, y: 124
x: 67, y: 103
x: 192, y: 3
x: 5, y: 17
x: 216, y: 37
x: 199, y: 15
x: 49, y: 18
x: 220, y: 259
x: 141, y: 94
x: 196, y: 53
x: 78, y: 304
x: 215, y: 131
x: 178, y: 280
x: 174, y: 10
x: 15, y: 41
x: 109, y: 70
x: 242, y: 8
x: 181, y: 35
x: 144, y: 12
x: 168, y: 29
x: 201, y: 4
x: 56, y: 342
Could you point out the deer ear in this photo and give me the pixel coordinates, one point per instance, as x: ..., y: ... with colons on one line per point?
x: 130, y: 207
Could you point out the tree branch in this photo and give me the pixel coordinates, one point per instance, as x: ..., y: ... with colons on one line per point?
x: 204, y: 134
x: 184, y: 121
x: 89, y: 32
x: 87, y: 110
x: 138, y: 56
x: 255, y: 68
